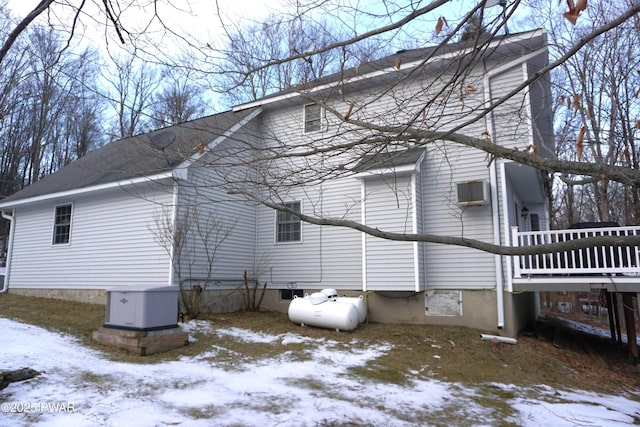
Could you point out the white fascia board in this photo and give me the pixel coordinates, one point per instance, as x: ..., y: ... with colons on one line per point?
x: 217, y: 140
x: 513, y: 39
x: 386, y: 171
x: 84, y: 190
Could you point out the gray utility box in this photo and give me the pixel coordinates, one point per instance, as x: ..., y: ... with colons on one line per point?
x: 142, y: 308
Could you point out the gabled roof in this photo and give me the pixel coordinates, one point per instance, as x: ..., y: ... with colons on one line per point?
x: 137, y: 157
x: 499, y: 47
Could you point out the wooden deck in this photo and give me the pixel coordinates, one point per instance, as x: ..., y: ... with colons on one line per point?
x: 616, y: 269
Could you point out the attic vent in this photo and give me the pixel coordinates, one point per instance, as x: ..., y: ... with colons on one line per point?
x: 473, y: 193
x: 163, y: 139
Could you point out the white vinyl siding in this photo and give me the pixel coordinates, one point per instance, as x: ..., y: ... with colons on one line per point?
x: 327, y: 257
x: 511, y: 120
x: 205, y: 196
x: 390, y: 264
x: 448, y: 266
x: 112, y: 245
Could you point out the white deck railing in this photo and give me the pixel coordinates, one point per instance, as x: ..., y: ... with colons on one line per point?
x: 588, y: 261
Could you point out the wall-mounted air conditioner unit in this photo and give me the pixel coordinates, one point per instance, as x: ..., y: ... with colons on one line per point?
x: 142, y: 308
x: 472, y: 193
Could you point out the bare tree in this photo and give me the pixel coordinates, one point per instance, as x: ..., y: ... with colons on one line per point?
x: 245, y: 72
x: 192, y: 240
x: 177, y: 101
x: 48, y: 98
x: 596, y: 114
x: 131, y: 87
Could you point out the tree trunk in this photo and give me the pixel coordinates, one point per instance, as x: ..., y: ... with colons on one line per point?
x: 8, y: 377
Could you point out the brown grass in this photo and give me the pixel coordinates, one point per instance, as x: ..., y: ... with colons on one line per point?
x: 418, y: 351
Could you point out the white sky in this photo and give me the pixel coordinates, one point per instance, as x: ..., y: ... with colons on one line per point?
x: 196, y: 17
x: 285, y: 390
x: 200, y: 17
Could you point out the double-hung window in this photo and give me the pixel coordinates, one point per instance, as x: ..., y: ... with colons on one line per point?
x: 288, y: 226
x: 312, y: 118
x: 62, y: 225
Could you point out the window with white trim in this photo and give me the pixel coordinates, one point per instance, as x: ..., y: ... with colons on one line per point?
x: 62, y: 225
x: 288, y: 226
x: 312, y: 118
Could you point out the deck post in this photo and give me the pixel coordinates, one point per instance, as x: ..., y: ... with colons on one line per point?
x: 610, y: 312
x: 630, y: 323
x: 515, y: 243
x: 616, y: 315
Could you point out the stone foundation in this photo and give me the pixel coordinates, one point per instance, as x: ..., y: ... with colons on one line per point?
x: 89, y: 296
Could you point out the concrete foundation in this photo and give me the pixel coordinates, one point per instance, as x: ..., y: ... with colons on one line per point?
x: 89, y: 296
x: 142, y: 343
x: 478, y: 308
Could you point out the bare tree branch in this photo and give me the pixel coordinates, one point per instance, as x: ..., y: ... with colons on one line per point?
x: 22, y: 25
x: 587, y: 242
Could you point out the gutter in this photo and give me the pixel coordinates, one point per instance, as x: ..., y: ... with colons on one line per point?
x: 83, y: 190
x: 11, y: 219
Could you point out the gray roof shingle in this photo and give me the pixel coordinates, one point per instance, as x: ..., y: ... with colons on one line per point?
x: 138, y: 156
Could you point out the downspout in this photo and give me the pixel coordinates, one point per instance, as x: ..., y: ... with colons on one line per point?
x: 414, y: 224
x: 363, y: 219
x: 495, y: 211
x: 174, y: 221
x: 10, y: 218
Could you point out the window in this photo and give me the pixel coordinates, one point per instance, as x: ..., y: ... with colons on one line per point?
x: 312, y: 118
x: 289, y: 294
x: 535, y: 222
x: 288, y: 226
x: 62, y: 225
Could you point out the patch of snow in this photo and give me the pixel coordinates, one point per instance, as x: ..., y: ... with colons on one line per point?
x: 280, y: 390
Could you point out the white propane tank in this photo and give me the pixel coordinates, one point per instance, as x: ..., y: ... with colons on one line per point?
x: 330, y: 293
x: 316, y: 298
x: 358, y: 303
x: 327, y: 314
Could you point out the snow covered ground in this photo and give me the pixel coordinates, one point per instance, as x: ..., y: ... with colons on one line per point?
x: 81, y: 387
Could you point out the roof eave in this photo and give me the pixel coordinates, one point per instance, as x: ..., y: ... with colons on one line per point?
x: 397, y: 170
x: 85, y: 190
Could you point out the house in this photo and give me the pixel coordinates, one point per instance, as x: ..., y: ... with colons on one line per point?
x: 99, y: 222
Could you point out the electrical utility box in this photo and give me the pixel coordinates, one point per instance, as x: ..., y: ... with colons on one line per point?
x: 142, y: 308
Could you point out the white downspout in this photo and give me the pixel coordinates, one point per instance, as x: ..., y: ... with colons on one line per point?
x: 414, y: 224
x: 174, y: 223
x: 495, y: 212
x: 11, y: 219
x: 363, y: 219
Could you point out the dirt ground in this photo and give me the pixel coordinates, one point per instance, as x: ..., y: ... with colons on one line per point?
x: 609, y: 356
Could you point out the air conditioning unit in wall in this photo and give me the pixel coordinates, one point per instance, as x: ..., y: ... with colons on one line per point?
x: 472, y: 193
